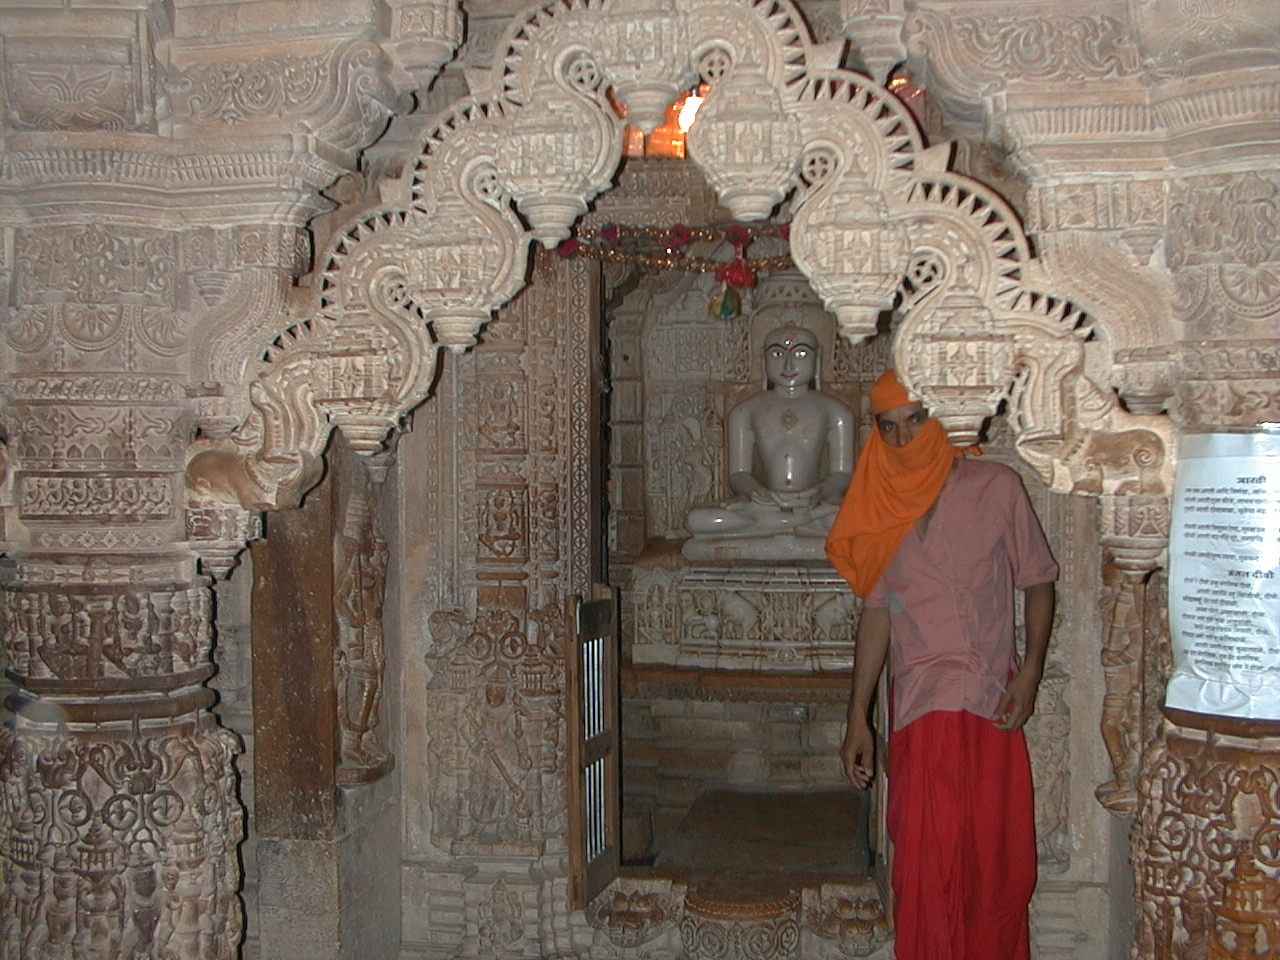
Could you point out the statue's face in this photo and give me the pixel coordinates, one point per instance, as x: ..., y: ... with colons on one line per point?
x: 790, y: 358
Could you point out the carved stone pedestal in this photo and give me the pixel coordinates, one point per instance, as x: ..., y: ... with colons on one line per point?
x: 798, y: 618
x: 648, y: 916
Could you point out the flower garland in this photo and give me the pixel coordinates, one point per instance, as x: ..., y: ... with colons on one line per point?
x: 617, y: 243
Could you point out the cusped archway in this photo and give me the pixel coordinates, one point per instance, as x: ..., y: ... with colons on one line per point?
x: 878, y: 221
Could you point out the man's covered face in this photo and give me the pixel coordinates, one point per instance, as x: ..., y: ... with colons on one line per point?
x: 900, y: 425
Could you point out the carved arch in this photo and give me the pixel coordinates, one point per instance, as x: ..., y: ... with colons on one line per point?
x: 520, y: 159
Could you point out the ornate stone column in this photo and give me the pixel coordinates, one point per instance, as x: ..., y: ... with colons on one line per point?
x: 154, y: 195
x: 120, y: 822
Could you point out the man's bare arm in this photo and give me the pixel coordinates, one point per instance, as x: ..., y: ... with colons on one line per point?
x: 857, y: 753
x: 1019, y: 699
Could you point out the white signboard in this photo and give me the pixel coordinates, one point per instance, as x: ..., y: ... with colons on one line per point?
x: 1224, y: 575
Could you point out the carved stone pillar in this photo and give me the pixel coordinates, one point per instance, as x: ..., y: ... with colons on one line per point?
x: 1205, y: 844
x: 154, y: 192
x: 326, y: 822
x: 119, y: 823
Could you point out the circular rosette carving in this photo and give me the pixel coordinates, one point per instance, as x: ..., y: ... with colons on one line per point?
x: 967, y: 223
x: 746, y: 144
x: 27, y: 329
x: 842, y: 237
x: 865, y: 128
x: 163, y: 331
x: 91, y: 326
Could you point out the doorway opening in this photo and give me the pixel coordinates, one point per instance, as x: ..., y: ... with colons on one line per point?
x: 734, y: 677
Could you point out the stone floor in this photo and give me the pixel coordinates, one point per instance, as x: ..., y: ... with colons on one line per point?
x: 744, y: 845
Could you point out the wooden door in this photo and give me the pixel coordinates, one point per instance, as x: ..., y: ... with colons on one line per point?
x: 591, y: 664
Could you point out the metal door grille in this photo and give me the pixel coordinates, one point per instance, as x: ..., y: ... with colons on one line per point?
x: 593, y: 723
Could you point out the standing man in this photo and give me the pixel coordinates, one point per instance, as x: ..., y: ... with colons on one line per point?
x: 936, y: 544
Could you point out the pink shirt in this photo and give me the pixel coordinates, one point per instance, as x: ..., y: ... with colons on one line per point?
x: 950, y: 596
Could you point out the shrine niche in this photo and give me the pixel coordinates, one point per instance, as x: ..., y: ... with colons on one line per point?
x: 186, y: 322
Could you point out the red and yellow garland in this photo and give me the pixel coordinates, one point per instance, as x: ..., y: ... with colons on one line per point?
x: 616, y: 243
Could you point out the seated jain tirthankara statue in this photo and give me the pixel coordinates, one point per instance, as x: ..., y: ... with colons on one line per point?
x: 790, y: 460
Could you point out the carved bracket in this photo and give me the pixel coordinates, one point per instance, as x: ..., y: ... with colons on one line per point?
x: 359, y: 365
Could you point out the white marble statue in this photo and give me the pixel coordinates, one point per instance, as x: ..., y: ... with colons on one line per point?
x: 791, y: 451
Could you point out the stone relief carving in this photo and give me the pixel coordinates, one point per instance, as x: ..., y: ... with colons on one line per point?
x: 1137, y: 303
x: 424, y: 36
x: 969, y: 54
x: 239, y: 285
x: 748, y: 618
x: 1047, y: 48
x: 681, y: 430
x: 712, y: 930
x: 104, y: 89
x: 876, y: 28
x: 846, y: 195
x: 850, y: 916
x: 1048, y: 736
x: 472, y: 259
x: 354, y: 367
x: 104, y: 632
x: 360, y: 577
x: 1222, y: 246
x: 1207, y: 819
x: 1122, y: 670
x: 636, y: 911
x: 339, y: 92
x: 124, y: 845
x: 501, y: 919
x: 495, y: 675
x: 1201, y: 36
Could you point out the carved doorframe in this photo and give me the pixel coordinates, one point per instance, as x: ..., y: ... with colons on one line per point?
x: 878, y: 221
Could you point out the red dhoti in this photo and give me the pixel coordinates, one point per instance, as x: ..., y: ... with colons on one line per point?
x: 962, y: 820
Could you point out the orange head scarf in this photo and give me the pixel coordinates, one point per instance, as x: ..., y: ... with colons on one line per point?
x: 892, y: 488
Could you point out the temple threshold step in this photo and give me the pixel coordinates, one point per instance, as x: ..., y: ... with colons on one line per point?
x: 770, y: 875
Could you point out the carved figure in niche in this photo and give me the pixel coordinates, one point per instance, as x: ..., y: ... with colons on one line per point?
x: 1048, y: 733
x: 700, y: 617
x: 66, y: 655
x: 500, y: 919
x: 186, y: 927
x: 682, y: 470
x: 21, y: 904
x: 144, y: 905
x: 361, y: 561
x: 1122, y: 701
x: 496, y: 789
x: 100, y: 911
x: 790, y: 459
x: 835, y: 617
x: 136, y: 650
x: 55, y: 937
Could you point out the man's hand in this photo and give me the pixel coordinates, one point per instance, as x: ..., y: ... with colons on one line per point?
x: 1018, y: 701
x: 858, y: 754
